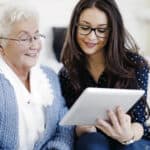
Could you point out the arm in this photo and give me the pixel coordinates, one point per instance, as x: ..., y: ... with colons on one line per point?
x: 63, y: 136
x: 137, y: 131
x: 63, y: 139
x: 138, y: 111
x: 8, y: 116
x: 70, y: 97
x: 122, y: 128
x: 68, y: 91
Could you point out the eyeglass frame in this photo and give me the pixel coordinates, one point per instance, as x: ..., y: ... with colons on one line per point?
x: 93, y: 29
x: 30, y: 39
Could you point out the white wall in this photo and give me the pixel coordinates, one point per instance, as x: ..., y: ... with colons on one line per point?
x: 52, y: 13
x: 136, y: 14
x: 58, y: 13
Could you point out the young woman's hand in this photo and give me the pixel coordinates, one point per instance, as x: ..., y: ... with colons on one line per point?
x: 119, y: 126
x: 84, y: 129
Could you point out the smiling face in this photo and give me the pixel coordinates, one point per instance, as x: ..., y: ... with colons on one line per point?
x: 95, y: 41
x: 17, y: 54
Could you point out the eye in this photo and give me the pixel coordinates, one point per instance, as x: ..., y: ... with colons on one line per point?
x: 102, y: 30
x: 37, y: 36
x: 84, y: 27
x: 24, y: 39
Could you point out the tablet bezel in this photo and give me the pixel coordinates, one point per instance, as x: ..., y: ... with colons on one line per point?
x: 94, y: 102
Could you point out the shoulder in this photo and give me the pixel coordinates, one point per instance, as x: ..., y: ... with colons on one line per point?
x: 48, y: 71
x: 142, y: 66
x: 7, y: 91
x: 50, y: 74
x: 52, y: 78
x: 142, y: 77
x: 64, y: 78
x: 137, y: 58
x: 63, y: 72
x: 5, y: 85
x: 141, y: 69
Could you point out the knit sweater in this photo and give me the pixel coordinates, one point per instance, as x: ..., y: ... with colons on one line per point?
x: 55, y: 137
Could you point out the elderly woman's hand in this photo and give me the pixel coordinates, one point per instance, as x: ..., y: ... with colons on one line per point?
x: 118, y: 127
x: 84, y: 129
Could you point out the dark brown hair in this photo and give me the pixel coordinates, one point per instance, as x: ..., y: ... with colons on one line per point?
x: 119, y: 44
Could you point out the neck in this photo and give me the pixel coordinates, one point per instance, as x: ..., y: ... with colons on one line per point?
x: 21, y: 72
x: 96, y: 65
x: 23, y: 76
x: 96, y: 60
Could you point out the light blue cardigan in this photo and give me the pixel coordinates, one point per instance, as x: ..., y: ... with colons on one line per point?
x: 55, y: 137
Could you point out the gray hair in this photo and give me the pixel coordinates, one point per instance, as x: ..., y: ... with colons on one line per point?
x: 12, y: 14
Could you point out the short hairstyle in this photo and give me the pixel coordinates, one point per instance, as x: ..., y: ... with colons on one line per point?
x: 12, y: 14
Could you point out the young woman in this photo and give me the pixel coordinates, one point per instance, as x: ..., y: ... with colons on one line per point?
x: 99, y: 52
x: 31, y: 104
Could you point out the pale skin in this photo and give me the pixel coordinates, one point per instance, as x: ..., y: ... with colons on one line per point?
x: 21, y: 58
x: 119, y: 125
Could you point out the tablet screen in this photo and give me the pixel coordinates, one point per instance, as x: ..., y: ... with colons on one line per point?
x: 94, y: 103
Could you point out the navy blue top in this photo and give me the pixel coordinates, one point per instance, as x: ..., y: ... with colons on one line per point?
x: 137, y: 111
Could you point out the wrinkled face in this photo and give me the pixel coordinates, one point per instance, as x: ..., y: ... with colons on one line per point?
x: 24, y: 52
x: 92, y: 31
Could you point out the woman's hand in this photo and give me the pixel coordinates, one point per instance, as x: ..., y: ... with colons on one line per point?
x: 118, y: 127
x: 84, y: 129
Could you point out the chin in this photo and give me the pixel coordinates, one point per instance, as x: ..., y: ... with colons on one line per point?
x: 31, y: 64
x: 90, y: 52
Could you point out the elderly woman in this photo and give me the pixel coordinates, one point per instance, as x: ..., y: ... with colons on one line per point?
x: 31, y: 104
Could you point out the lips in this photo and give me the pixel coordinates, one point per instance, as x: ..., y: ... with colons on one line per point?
x: 90, y: 45
x: 32, y: 54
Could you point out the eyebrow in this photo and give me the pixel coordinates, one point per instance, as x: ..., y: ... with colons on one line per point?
x: 37, y: 31
x: 83, y: 21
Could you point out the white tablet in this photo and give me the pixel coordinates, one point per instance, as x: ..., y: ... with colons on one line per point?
x: 94, y: 102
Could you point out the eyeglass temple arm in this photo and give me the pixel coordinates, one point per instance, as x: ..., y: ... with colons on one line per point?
x: 8, y: 38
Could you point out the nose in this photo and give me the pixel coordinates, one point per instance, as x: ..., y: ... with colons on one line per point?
x: 92, y: 36
x: 35, y: 44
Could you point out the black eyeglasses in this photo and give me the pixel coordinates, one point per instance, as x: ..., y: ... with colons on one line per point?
x: 99, y: 32
x: 26, y: 41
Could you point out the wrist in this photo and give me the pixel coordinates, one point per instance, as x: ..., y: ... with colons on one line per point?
x: 138, y: 130
x: 127, y: 142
